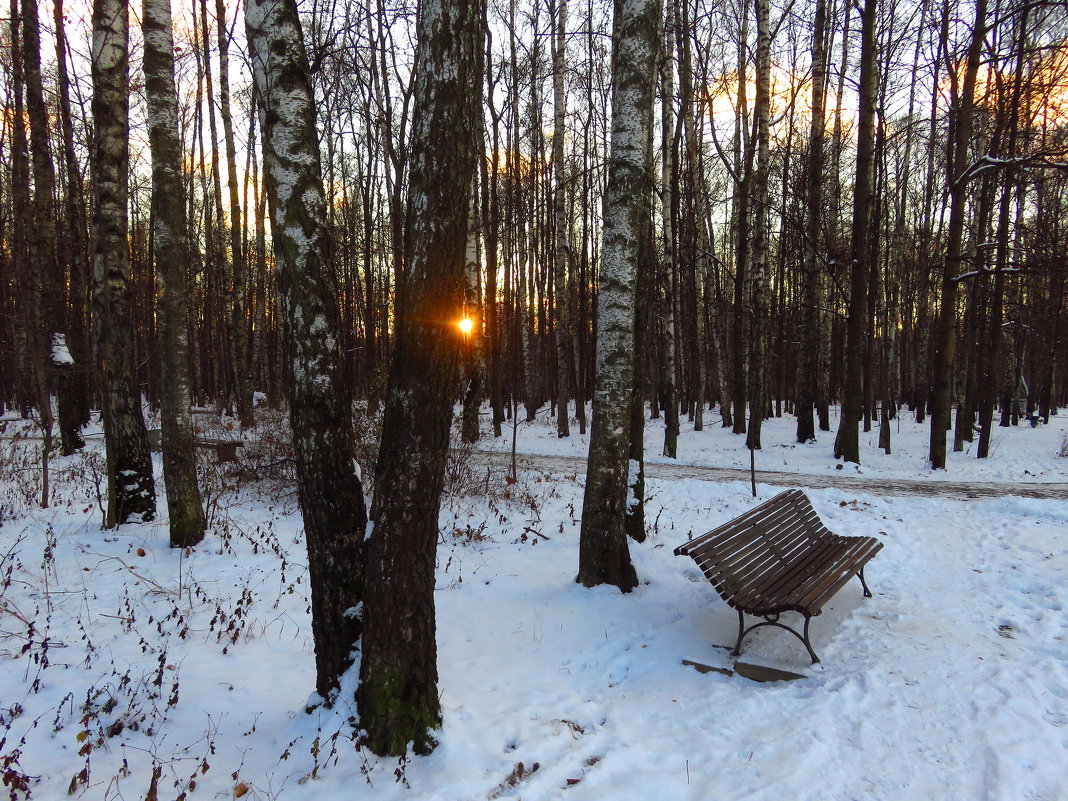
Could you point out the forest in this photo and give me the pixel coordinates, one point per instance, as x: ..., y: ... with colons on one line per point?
x: 374, y: 235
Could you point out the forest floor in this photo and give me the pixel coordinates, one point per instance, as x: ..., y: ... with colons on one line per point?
x: 127, y: 666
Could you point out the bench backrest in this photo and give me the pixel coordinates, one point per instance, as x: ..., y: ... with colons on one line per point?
x: 772, y: 536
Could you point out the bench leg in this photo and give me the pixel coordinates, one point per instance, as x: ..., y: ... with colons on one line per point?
x: 773, y: 620
x: 863, y: 583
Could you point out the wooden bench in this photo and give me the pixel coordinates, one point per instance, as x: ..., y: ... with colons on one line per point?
x: 779, y: 557
x: 225, y: 449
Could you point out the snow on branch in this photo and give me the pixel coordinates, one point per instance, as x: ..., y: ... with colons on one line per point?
x: 1038, y: 160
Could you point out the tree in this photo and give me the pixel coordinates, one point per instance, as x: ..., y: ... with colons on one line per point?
x: 320, y: 410
x: 847, y: 443
x: 758, y: 187
x: 52, y: 334
x: 238, y: 338
x: 945, y: 334
x: 604, y: 557
x: 668, y: 202
x: 172, y: 251
x: 398, y: 696
x: 563, y: 248
x: 808, y: 366
x: 131, y: 487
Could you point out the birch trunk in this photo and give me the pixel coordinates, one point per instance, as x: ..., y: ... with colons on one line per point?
x: 604, y: 557
x: 398, y: 695
x: 172, y: 253
x: 131, y: 487
x: 330, y: 493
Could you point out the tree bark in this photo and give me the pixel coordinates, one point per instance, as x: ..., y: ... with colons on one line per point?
x: 398, y: 696
x: 667, y: 213
x: 563, y: 247
x: 320, y: 412
x: 172, y: 250
x: 946, y: 325
x: 808, y: 366
x: 759, y: 193
x: 847, y: 443
x: 603, y: 554
x: 131, y: 487
x: 238, y: 259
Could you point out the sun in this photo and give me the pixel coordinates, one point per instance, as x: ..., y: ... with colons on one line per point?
x: 466, y: 325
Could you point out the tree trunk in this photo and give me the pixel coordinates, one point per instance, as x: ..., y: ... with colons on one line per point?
x: 131, y: 487
x: 847, y: 443
x: 759, y: 239
x: 603, y: 554
x: 330, y: 494
x: 667, y: 213
x: 74, y: 247
x: 398, y: 695
x: 946, y: 331
x: 238, y: 259
x: 563, y: 247
x: 53, y: 331
x: 808, y: 366
x: 172, y: 250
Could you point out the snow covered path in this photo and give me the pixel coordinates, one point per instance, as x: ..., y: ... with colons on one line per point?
x: 959, y: 490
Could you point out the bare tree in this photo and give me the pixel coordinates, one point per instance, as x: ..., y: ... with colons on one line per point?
x: 847, y: 443
x: 172, y: 251
x: 945, y: 334
x: 131, y: 487
x: 603, y: 554
x: 808, y: 366
x: 563, y: 248
x: 398, y: 696
x: 320, y: 413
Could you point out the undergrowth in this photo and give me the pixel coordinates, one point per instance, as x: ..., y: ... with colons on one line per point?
x: 99, y: 623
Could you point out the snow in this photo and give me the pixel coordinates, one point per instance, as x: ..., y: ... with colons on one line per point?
x: 951, y: 683
x: 61, y: 356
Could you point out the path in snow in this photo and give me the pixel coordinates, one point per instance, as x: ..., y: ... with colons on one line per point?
x: 959, y: 490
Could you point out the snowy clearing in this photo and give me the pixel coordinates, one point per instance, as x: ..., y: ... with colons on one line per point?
x: 952, y: 682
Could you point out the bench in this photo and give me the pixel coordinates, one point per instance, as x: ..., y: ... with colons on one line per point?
x: 225, y: 449
x: 779, y: 557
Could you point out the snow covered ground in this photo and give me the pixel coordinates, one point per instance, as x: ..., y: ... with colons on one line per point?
x: 1017, y: 453
x: 951, y: 683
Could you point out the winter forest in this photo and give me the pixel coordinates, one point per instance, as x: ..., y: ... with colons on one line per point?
x: 363, y: 363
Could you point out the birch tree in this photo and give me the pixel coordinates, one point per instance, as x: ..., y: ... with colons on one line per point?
x: 398, y: 695
x: 604, y: 557
x: 131, y: 487
x: 330, y: 493
x: 172, y: 253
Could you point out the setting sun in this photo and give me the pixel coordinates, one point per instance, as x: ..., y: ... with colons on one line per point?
x: 466, y: 325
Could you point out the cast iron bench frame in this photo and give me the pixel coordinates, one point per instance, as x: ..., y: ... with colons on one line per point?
x: 779, y: 557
